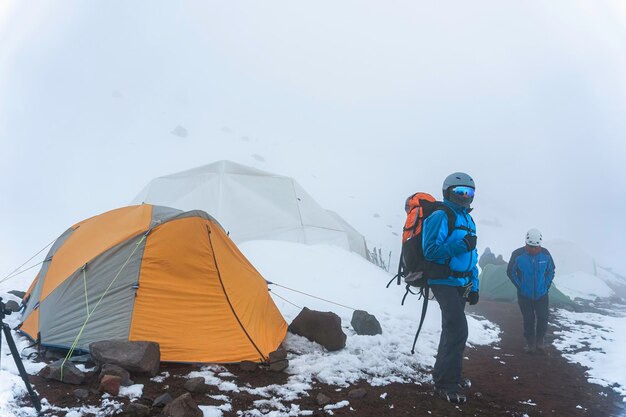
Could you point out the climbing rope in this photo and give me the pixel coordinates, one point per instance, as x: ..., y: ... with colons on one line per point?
x: 90, y: 313
x: 310, y: 295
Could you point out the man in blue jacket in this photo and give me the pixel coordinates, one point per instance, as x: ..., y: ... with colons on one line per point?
x: 449, y: 242
x: 531, y: 270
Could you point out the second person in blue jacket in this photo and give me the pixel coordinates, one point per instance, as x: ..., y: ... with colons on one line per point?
x: 531, y: 270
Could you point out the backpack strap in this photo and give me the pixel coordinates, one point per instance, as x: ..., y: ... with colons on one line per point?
x: 425, y: 292
x: 451, y: 215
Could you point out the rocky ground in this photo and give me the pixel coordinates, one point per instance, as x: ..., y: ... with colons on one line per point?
x: 506, y: 381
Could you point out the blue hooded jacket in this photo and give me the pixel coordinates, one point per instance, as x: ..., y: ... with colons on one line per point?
x: 531, y: 274
x: 441, y: 248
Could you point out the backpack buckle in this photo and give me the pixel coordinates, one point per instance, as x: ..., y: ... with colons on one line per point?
x: 413, y: 278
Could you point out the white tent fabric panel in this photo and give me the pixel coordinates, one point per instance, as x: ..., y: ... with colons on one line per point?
x: 249, y: 203
x: 355, y: 239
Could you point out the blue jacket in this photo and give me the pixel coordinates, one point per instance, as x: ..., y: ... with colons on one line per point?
x: 441, y: 248
x: 531, y: 274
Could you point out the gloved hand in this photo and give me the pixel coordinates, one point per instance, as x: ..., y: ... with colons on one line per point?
x: 472, y: 298
x: 470, y: 241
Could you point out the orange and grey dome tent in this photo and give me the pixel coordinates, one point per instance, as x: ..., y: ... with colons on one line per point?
x: 152, y: 273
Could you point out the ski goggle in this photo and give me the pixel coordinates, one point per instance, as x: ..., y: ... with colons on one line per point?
x: 463, y: 191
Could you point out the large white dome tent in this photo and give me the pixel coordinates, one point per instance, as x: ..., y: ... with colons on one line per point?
x: 253, y: 204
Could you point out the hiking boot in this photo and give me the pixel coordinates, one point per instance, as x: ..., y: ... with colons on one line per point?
x: 541, y: 346
x: 530, y: 349
x: 451, y: 396
x: 465, y: 383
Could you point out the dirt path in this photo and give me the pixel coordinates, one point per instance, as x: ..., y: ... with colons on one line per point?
x: 506, y: 381
x: 557, y: 387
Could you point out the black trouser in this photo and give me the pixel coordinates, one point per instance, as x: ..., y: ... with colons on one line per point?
x: 534, y: 311
x: 449, y: 363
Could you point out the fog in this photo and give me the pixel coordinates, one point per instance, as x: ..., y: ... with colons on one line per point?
x: 362, y: 102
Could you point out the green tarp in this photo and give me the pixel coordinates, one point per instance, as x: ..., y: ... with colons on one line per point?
x: 495, y: 285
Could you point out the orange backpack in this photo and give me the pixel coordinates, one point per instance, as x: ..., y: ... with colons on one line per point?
x: 418, y: 207
x: 412, y: 266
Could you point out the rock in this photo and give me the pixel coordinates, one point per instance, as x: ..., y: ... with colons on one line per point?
x: 183, y: 406
x: 12, y: 306
x: 110, y: 384
x: 52, y: 354
x: 18, y: 294
x: 71, y: 374
x: 248, y: 366
x: 357, y: 393
x: 137, y: 410
x: 110, y: 369
x: 364, y: 323
x: 321, y: 327
x: 278, y: 355
x: 81, y: 394
x: 322, y: 399
x: 278, y: 360
x: 196, y: 385
x: 162, y: 400
x: 135, y: 357
x: 279, y: 366
x: 81, y: 358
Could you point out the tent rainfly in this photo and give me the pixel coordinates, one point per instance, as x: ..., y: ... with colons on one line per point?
x: 496, y: 285
x: 253, y: 204
x: 151, y: 273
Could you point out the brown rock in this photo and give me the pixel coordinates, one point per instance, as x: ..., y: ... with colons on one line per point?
x: 321, y: 327
x: 196, y: 385
x: 162, y: 400
x: 17, y: 293
x: 183, y: 406
x: 278, y: 355
x: 279, y: 366
x: 357, y: 393
x: 278, y: 360
x: 70, y: 375
x: 137, y: 410
x: 81, y: 394
x: 135, y: 357
x: 110, y: 384
x: 322, y: 399
x: 110, y: 369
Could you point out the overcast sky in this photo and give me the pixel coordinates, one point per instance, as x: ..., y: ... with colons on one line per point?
x: 363, y: 102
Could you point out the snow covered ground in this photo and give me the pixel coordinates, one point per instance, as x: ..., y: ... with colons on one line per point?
x: 346, y: 281
x: 583, y: 285
x: 594, y: 340
x: 335, y: 275
x: 11, y: 385
x: 597, y: 342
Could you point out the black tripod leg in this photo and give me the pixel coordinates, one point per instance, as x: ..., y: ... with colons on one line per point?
x: 20, y: 367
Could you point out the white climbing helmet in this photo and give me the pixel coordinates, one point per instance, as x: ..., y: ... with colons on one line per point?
x: 533, y: 237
